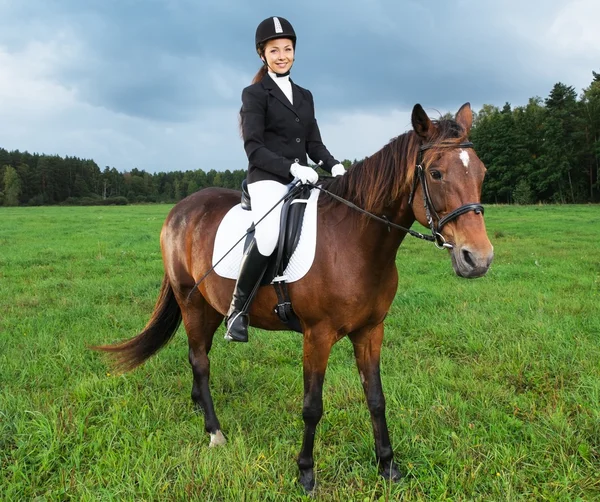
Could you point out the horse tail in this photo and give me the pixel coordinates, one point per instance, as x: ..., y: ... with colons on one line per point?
x: 161, y: 327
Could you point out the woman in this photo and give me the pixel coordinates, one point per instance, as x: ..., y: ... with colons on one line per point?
x: 279, y: 130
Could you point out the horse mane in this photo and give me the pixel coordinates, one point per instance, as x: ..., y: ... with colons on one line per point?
x: 375, y: 182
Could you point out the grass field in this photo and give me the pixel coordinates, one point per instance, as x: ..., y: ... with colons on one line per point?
x: 492, y: 385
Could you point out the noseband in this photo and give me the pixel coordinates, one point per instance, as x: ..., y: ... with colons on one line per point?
x: 435, y: 222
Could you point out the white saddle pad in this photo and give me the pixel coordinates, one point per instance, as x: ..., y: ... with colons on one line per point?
x: 235, y: 224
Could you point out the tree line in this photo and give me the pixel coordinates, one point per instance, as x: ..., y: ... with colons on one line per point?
x: 545, y: 151
x: 35, y: 180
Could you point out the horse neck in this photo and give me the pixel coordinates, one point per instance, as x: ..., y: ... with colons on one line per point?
x: 381, y: 180
x: 388, y: 239
x: 370, y: 237
x: 380, y: 185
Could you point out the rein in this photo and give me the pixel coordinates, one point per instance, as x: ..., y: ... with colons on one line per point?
x: 381, y: 219
x: 436, y: 237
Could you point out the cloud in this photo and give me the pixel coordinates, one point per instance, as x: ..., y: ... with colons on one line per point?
x: 26, y: 78
x: 157, y: 85
x: 574, y: 31
x: 54, y: 120
x: 356, y: 135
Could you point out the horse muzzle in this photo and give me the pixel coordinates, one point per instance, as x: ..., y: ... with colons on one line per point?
x: 470, y: 262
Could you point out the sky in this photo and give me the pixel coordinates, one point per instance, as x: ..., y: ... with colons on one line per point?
x: 156, y: 84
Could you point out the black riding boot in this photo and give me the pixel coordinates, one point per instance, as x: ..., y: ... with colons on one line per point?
x: 252, y: 269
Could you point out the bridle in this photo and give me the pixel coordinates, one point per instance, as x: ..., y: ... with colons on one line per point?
x: 433, y: 219
x: 436, y: 228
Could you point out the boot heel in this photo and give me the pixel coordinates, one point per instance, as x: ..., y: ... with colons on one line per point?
x: 230, y: 338
x: 237, y: 328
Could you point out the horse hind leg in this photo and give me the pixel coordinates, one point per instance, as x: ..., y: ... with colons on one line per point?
x: 367, y: 351
x: 201, y: 321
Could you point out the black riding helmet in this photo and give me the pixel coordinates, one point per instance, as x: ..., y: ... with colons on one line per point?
x: 271, y: 28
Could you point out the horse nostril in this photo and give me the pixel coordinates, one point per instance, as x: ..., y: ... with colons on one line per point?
x: 468, y: 258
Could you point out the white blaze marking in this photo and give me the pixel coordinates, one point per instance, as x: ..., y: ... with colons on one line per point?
x: 217, y: 439
x: 464, y: 156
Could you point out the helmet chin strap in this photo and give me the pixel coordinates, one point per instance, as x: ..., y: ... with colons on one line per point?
x: 278, y: 74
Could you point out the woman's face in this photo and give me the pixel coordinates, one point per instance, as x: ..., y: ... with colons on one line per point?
x: 279, y: 54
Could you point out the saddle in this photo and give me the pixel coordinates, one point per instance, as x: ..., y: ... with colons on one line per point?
x: 292, y: 215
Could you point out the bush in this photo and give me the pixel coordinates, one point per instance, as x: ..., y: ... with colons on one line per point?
x: 70, y: 201
x: 522, y: 193
x: 38, y: 200
x: 89, y: 201
x: 115, y: 201
x: 93, y: 201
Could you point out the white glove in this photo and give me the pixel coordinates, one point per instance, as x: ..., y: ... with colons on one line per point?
x: 338, y: 170
x: 304, y: 173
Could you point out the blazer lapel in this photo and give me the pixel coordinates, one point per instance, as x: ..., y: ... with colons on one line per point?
x: 274, y: 89
x: 297, y: 95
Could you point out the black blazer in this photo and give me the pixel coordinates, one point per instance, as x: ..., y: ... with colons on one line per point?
x: 277, y: 134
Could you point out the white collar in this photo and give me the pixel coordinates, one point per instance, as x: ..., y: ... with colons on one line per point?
x: 279, y: 79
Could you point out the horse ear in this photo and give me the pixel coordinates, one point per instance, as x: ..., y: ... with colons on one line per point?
x: 464, y: 117
x: 420, y: 122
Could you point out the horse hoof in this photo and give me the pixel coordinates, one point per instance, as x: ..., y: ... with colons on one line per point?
x: 217, y: 439
x: 391, y: 473
x: 307, y: 480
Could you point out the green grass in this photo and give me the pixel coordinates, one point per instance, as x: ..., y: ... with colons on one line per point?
x: 492, y: 385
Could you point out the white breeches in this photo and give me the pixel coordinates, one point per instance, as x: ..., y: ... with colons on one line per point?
x: 263, y: 196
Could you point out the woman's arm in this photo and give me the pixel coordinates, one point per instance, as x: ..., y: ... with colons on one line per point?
x: 253, y: 115
x: 315, y: 148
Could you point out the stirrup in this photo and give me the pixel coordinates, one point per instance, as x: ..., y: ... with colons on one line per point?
x: 242, y: 334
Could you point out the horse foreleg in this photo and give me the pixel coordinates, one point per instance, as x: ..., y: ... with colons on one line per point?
x: 316, y: 354
x: 201, y: 321
x: 367, y: 350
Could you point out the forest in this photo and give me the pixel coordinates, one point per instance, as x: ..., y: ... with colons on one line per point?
x: 546, y: 151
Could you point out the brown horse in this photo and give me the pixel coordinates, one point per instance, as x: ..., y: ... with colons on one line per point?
x: 349, y: 288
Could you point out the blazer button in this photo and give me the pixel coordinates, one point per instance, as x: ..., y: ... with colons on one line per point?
x: 296, y: 160
x: 297, y: 119
x: 297, y: 140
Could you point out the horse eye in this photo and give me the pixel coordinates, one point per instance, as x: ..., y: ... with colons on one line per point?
x: 436, y: 175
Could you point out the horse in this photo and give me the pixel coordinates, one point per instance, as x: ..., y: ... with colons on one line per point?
x: 350, y: 286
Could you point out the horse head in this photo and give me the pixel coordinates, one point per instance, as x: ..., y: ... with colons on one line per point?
x: 450, y: 175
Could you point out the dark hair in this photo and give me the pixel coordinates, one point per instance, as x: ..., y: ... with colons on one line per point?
x: 260, y: 74
x: 260, y: 49
x: 257, y: 78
